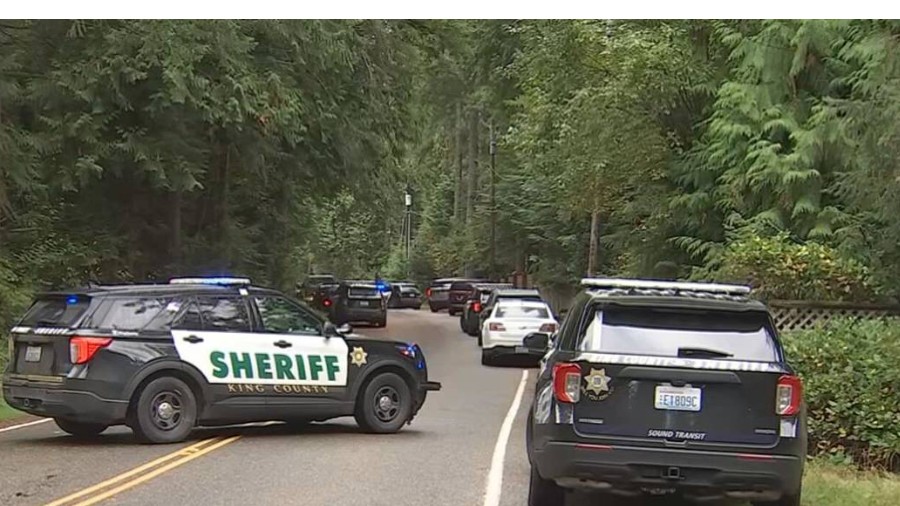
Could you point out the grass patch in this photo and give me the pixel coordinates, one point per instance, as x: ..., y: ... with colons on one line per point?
x: 827, y: 484
x: 8, y: 412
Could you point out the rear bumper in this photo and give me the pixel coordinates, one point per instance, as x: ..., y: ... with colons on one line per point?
x: 517, y: 351
x: 439, y: 304
x: 699, y: 474
x: 363, y: 315
x: 401, y: 303
x: 63, y: 402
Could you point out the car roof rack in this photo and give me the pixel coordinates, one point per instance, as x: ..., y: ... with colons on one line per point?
x: 216, y: 280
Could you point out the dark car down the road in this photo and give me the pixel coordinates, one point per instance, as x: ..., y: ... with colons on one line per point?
x: 405, y: 295
x: 478, y: 297
x: 360, y: 302
x: 165, y: 358
x: 666, y: 388
x: 458, y: 293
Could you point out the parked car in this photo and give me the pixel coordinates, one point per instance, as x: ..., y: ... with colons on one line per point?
x: 459, y: 293
x: 360, y: 301
x: 481, y: 292
x: 438, y: 294
x: 666, y: 388
x: 505, y: 294
x: 405, y: 294
x: 509, y: 321
x: 309, y: 288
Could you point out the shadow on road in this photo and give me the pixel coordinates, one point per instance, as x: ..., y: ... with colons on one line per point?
x: 121, y: 436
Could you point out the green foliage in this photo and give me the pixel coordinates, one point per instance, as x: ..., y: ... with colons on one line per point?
x: 779, y: 268
x: 850, y: 385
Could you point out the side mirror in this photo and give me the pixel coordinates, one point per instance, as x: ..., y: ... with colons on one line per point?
x: 330, y: 330
x: 537, y: 341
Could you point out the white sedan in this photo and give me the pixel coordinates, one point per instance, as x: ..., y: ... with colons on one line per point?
x: 504, y: 330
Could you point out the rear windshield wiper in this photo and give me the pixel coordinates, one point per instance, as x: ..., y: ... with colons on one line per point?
x: 702, y: 352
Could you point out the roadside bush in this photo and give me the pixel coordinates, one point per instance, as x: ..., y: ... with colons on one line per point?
x: 779, y: 268
x: 852, y: 387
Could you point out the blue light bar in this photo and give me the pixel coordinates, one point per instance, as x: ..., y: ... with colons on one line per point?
x: 210, y: 281
x: 72, y: 299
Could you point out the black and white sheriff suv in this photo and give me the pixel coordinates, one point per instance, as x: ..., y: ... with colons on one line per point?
x: 666, y: 388
x: 165, y: 358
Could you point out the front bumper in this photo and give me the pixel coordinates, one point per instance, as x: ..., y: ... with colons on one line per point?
x: 699, y: 474
x: 62, y: 401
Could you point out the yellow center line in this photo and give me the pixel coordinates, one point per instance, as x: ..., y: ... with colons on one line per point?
x: 188, y: 450
x: 153, y: 474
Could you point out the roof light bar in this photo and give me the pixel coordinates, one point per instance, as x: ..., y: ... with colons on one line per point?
x: 646, y: 284
x: 210, y: 281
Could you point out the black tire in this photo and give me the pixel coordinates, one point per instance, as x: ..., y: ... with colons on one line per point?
x: 432, y: 308
x: 374, y: 414
x: 786, y: 500
x: 155, y: 423
x: 543, y: 492
x: 80, y: 429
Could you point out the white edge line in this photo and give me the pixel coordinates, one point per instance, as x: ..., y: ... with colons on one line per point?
x: 494, y: 488
x: 23, y: 425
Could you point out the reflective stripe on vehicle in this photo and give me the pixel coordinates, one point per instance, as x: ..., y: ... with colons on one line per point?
x: 687, y: 363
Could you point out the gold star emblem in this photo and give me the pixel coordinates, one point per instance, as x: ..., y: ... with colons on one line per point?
x: 597, y: 381
x: 358, y: 356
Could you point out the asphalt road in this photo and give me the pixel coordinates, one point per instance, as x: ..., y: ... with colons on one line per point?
x: 443, y: 459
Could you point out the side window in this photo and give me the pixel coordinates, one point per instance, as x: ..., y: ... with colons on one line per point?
x: 281, y: 316
x: 190, y: 319
x: 224, y: 314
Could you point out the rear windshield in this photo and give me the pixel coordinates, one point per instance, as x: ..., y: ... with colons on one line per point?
x: 55, y: 312
x: 318, y: 280
x: 521, y: 311
x: 681, y: 333
x: 460, y: 286
x: 362, y: 292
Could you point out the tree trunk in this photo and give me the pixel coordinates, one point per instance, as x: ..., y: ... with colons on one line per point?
x: 458, y: 161
x: 472, y: 176
x: 592, y: 248
x: 176, y: 231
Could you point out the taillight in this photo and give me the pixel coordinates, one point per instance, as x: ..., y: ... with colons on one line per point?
x: 326, y: 302
x: 567, y: 382
x: 548, y: 328
x: 428, y: 292
x: 476, y: 307
x: 83, y: 349
x: 496, y: 327
x: 788, y: 395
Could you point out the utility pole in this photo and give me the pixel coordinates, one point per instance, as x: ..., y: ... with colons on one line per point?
x: 408, y: 224
x: 493, y: 148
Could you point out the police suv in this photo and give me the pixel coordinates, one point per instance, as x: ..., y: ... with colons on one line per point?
x: 666, y: 388
x: 165, y: 358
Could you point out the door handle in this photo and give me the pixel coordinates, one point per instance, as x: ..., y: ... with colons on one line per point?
x: 283, y: 344
x: 193, y: 339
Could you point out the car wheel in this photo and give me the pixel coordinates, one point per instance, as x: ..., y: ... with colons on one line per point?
x: 543, y: 492
x: 165, y: 412
x: 786, y: 500
x: 432, y: 308
x: 80, y: 429
x: 384, y: 405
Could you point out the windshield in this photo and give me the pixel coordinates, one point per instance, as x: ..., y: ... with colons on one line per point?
x: 681, y: 333
x: 362, y: 292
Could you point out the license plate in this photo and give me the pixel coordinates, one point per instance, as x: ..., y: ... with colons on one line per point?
x: 678, y: 398
x: 364, y: 303
x: 33, y: 354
